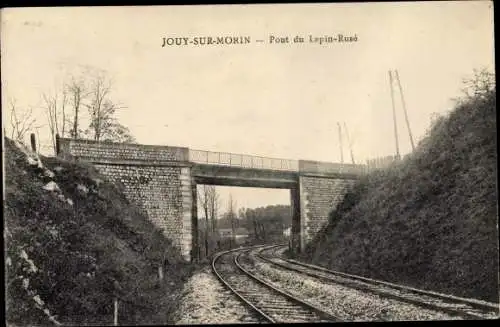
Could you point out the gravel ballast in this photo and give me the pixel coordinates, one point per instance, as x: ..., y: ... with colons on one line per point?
x: 346, y: 303
x: 205, y: 300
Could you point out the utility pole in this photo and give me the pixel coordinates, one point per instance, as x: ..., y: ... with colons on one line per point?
x: 340, y: 138
x: 394, y: 115
x: 349, y: 142
x: 405, y: 112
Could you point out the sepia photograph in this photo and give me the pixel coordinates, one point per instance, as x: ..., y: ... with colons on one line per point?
x: 249, y: 163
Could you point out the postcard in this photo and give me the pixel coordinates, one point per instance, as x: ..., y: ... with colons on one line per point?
x: 250, y: 163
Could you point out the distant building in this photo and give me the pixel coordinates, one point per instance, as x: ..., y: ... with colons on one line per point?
x: 225, y: 232
x: 241, y: 234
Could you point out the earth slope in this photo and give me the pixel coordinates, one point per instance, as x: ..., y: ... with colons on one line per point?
x: 429, y: 221
x: 74, y: 243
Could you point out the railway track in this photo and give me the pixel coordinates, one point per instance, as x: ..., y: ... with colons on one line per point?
x: 269, y: 304
x: 460, y: 307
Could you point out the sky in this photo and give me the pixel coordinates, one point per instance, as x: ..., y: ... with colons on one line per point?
x: 276, y: 100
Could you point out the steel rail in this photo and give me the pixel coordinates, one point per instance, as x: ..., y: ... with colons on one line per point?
x: 313, y: 269
x: 240, y: 297
x: 273, y: 290
x: 472, y: 302
x: 295, y: 299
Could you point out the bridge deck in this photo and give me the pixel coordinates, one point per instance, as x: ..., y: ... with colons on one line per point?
x: 242, y: 160
x: 159, y: 155
x: 242, y: 176
x: 258, y: 163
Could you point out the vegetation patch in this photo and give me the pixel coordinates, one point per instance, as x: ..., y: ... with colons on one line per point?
x: 430, y: 220
x: 74, y: 243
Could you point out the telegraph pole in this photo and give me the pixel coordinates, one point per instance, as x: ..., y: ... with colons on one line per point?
x: 349, y: 142
x: 340, y: 138
x: 405, y: 112
x: 394, y: 115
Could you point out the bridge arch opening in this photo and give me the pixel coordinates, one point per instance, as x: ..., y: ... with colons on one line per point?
x: 228, y: 216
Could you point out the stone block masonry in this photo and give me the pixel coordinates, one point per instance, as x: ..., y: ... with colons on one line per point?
x: 157, y: 190
x: 186, y: 211
x: 318, y: 197
x: 162, y: 181
x: 155, y: 178
x: 126, y: 152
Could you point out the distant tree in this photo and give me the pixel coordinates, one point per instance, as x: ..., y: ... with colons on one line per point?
x: 243, y: 217
x: 63, y: 108
x: 267, y: 223
x: 479, y: 85
x: 203, y: 198
x: 248, y: 217
x: 213, y: 204
x: 55, y: 106
x: 102, y: 110
x: 209, y: 201
x: 77, y: 90
x: 231, y: 214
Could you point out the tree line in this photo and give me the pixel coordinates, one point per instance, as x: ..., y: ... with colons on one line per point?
x: 266, y: 224
x: 81, y: 107
x: 262, y: 224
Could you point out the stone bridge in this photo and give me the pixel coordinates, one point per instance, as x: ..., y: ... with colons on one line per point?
x: 162, y: 180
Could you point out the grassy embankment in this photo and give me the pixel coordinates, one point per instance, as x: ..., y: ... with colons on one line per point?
x: 429, y: 221
x: 71, y: 249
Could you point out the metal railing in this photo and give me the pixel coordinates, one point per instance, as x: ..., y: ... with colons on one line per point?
x: 258, y: 162
x: 242, y: 160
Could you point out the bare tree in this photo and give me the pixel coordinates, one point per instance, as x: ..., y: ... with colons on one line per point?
x: 103, y: 123
x: 77, y: 90
x: 242, y: 214
x: 100, y: 106
x: 202, y: 196
x: 251, y: 221
x: 232, y: 216
x: 213, y: 204
x: 255, y: 226
x: 55, y: 109
x: 209, y: 201
x: 21, y: 122
x: 91, y: 90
